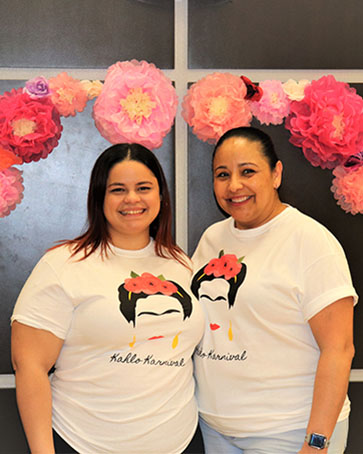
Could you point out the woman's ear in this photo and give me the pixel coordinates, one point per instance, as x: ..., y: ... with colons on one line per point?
x: 277, y: 174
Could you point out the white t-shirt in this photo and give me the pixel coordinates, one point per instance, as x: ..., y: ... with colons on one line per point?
x: 123, y: 381
x: 256, y: 364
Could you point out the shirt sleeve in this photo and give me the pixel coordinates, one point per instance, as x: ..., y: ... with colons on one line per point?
x: 326, y: 276
x: 43, y: 302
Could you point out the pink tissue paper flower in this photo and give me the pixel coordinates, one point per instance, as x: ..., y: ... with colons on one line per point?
x: 328, y: 123
x: 137, y: 104
x: 215, y: 104
x: 274, y: 104
x: 11, y: 190
x: 68, y: 94
x: 348, y: 189
x: 30, y: 128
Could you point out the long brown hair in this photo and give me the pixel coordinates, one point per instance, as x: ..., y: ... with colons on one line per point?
x: 97, y: 234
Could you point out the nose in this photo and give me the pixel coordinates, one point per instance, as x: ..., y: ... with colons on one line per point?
x: 235, y: 183
x: 131, y: 197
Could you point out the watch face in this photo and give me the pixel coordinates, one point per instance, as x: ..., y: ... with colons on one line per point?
x: 317, y: 441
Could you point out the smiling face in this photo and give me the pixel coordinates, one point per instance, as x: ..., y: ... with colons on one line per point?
x: 244, y: 184
x: 132, y: 202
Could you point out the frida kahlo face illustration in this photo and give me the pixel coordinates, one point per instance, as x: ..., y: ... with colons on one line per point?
x: 218, y: 283
x: 220, y: 279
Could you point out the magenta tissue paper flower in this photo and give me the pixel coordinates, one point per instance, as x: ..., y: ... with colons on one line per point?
x: 11, y: 190
x: 215, y: 104
x: 328, y: 123
x: 137, y: 104
x: 274, y: 104
x: 348, y: 188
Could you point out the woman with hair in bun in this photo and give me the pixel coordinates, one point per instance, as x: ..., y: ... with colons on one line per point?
x: 273, y: 367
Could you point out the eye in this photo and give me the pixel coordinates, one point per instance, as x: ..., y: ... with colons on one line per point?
x: 144, y: 188
x: 117, y: 190
x: 222, y: 174
x: 248, y: 172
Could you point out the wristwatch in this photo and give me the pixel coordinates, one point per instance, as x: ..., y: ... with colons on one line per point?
x: 317, y: 441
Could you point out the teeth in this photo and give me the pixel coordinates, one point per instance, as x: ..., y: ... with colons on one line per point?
x: 240, y: 199
x: 132, y: 212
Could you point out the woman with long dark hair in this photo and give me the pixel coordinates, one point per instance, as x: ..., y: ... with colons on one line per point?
x: 110, y: 310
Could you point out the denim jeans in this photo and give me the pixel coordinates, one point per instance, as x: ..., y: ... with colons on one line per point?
x: 283, y: 443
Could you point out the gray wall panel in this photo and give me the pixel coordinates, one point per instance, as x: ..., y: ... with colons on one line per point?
x: 85, y: 33
x: 275, y: 34
x: 12, y: 437
x: 355, y: 437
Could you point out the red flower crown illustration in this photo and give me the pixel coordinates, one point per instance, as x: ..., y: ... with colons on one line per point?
x: 226, y: 265
x: 149, y: 284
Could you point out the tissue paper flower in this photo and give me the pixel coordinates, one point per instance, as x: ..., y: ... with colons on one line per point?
x: 328, y: 123
x: 8, y: 159
x: 274, y: 104
x: 37, y: 87
x: 11, y: 190
x: 137, y: 103
x: 30, y: 128
x: 215, y: 104
x: 93, y: 87
x: 68, y: 94
x: 348, y: 188
x: 295, y: 90
x: 254, y: 92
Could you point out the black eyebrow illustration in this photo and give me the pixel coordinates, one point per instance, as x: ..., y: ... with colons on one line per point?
x: 213, y: 299
x: 169, y: 311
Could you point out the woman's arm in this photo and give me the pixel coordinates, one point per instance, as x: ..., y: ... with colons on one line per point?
x: 333, y: 331
x: 34, y: 352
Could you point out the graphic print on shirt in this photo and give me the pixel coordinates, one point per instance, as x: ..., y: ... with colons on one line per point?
x: 148, y: 297
x: 218, y: 283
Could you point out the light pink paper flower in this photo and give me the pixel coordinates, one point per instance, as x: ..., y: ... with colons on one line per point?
x: 328, y: 123
x: 215, y: 104
x: 348, y: 189
x: 11, y: 190
x: 274, y: 104
x: 137, y: 103
x: 68, y: 94
x: 295, y: 91
x: 30, y: 128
